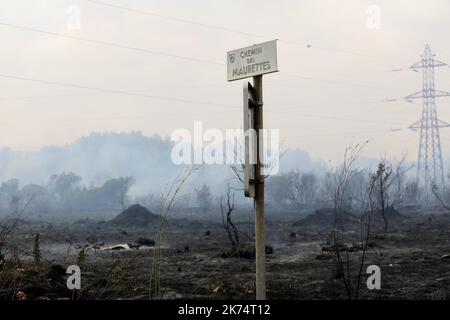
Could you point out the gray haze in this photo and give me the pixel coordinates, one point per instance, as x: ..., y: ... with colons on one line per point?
x: 327, y: 40
x: 100, y: 157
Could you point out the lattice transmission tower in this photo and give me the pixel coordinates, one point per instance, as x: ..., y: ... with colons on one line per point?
x: 430, y: 168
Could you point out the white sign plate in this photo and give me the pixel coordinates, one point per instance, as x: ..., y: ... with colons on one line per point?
x: 252, y: 61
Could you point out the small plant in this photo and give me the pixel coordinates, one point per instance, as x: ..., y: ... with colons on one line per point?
x: 37, y: 257
x: 341, y: 179
x: 16, y: 257
x: 81, y: 257
x: 383, y: 180
x: 167, y: 201
x: 228, y: 224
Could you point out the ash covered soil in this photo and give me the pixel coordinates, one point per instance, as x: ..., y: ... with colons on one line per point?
x: 116, y: 260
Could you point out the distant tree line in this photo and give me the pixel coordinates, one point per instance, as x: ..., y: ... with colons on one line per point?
x: 63, y: 193
x: 394, y: 183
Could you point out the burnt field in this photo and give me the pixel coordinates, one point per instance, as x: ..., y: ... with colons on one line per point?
x: 120, y: 260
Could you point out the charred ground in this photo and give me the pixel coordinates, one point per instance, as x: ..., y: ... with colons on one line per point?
x: 116, y: 258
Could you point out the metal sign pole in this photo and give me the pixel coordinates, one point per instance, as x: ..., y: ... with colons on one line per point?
x: 254, y: 61
x: 260, y: 232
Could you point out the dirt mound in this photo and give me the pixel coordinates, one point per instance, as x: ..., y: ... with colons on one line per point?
x: 145, y: 242
x: 135, y: 216
x: 324, y: 218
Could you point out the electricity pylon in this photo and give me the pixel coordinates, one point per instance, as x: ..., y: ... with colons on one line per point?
x: 430, y: 168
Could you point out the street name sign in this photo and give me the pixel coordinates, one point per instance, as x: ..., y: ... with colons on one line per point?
x: 252, y: 61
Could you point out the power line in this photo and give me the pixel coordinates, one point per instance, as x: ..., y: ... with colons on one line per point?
x: 211, y: 85
x: 184, y: 115
x: 171, y: 18
x: 388, y: 100
x: 341, y: 82
x: 347, y: 133
x: 195, y: 102
x: 47, y: 96
x: 109, y: 118
x: 220, y: 28
x: 152, y: 51
x: 325, y: 77
x: 365, y: 72
x: 202, y: 86
x: 111, y: 44
x: 143, y: 95
x: 330, y: 117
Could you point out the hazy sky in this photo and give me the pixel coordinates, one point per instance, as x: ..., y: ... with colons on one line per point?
x: 325, y: 96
